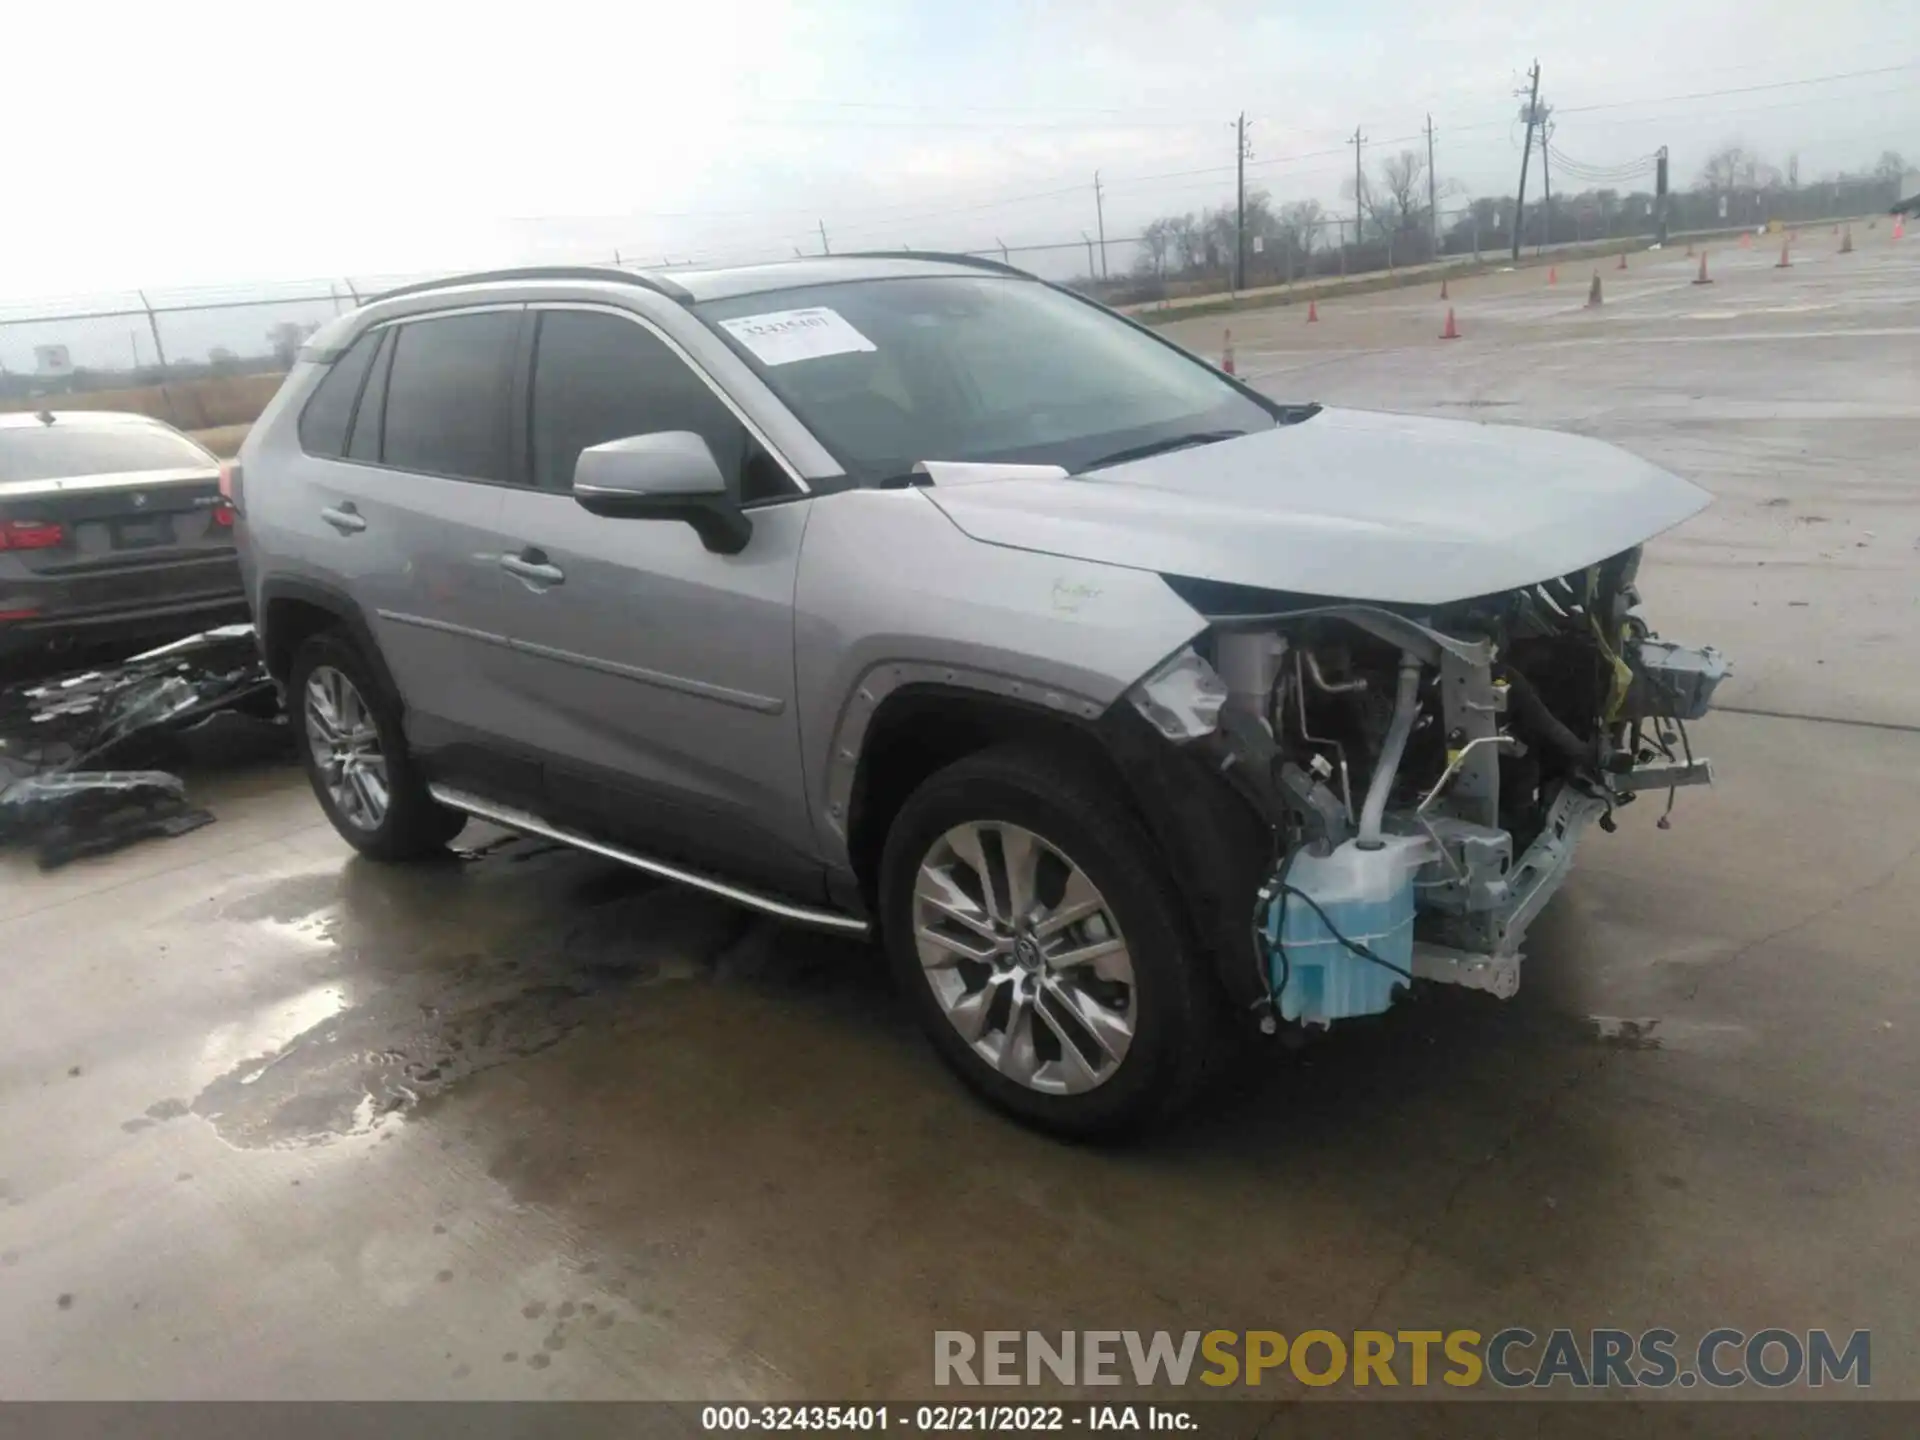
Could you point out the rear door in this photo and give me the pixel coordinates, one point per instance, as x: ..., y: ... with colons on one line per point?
x: 656, y: 676
x: 407, y: 517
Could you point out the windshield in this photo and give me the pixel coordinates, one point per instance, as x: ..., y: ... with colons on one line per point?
x: 972, y: 368
x: 62, y: 450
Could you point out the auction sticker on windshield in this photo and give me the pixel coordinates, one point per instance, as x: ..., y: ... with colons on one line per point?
x: 781, y: 337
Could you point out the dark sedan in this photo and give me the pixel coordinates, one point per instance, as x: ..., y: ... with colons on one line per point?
x: 112, y: 528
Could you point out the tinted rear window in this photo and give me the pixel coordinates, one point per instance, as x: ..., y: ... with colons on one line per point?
x: 446, y: 395
x: 63, y: 450
x: 323, y: 424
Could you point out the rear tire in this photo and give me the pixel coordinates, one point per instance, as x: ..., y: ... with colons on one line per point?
x: 355, y: 752
x: 1075, y: 999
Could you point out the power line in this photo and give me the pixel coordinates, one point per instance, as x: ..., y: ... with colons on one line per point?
x: 886, y: 217
x: 1739, y: 89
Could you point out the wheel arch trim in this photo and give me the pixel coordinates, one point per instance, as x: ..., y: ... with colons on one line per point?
x: 891, y: 679
x: 335, y: 602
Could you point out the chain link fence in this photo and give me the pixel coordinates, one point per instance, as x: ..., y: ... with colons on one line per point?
x: 208, y: 360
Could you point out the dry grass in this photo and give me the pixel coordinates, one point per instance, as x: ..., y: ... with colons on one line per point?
x: 189, y: 404
x: 222, y: 440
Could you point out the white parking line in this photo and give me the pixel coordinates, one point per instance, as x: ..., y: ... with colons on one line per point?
x: 1739, y: 336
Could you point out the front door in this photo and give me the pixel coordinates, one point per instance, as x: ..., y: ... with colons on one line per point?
x: 655, y: 676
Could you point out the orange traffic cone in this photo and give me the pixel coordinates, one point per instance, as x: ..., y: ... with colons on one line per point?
x: 1452, y: 332
x: 1836, y: 229
x: 1226, y: 353
x: 1746, y: 240
x: 1689, y: 249
x: 1623, y: 261
x: 1553, y: 274
x: 1701, y: 278
x: 1783, y: 262
x: 1313, y: 312
x: 1593, y: 292
x: 1443, y: 287
x: 1900, y: 229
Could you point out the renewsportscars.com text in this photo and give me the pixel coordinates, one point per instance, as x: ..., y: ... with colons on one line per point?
x: 1511, y: 1358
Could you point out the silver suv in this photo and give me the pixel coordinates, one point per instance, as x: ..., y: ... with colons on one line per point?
x: 1130, y: 707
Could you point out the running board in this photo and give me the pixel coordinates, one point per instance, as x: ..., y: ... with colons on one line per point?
x: 534, y: 825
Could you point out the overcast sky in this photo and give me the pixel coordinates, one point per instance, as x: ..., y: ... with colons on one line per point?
x: 202, y: 143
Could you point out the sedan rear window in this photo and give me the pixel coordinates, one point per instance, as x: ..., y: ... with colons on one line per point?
x: 63, y: 450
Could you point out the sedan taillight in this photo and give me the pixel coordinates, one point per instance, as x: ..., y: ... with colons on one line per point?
x: 232, y: 489
x: 31, y: 534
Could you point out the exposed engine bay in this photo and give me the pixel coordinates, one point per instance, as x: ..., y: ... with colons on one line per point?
x: 1426, y: 776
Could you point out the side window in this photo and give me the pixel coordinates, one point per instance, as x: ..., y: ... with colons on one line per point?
x: 363, y: 443
x: 446, y: 410
x: 329, y: 410
x: 598, y: 377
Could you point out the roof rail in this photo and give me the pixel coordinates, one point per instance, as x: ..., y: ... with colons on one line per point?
x: 624, y: 276
x: 978, y: 262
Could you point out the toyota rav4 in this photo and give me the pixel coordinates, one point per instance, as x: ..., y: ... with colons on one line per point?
x: 915, y: 595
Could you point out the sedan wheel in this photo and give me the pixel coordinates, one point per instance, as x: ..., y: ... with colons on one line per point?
x: 1024, y: 956
x: 346, y: 748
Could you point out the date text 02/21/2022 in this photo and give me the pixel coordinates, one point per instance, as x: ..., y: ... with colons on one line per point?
x: 944, y: 1419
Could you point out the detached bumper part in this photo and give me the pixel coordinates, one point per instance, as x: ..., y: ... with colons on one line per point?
x: 1673, y: 681
x: 1182, y: 698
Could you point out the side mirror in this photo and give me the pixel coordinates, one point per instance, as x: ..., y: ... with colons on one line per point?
x: 668, y: 475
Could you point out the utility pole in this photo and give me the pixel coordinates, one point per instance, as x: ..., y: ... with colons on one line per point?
x: 1526, y: 149
x: 1240, y: 192
x: 825, y: 249
x: 1660, y: 196
x: 1546, y: 179
x: 1089, y: 239
x: 1359, y: 187
x: 1433, y: 203
x: 1100, y: 218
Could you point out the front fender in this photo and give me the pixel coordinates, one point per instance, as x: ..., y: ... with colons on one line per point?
x: 891, y: 593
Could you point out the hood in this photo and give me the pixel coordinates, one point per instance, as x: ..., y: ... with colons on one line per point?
x: 1349, y: 504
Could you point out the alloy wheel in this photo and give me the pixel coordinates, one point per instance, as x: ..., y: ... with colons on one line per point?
x: 346, y: 748
x: 1024, y: 956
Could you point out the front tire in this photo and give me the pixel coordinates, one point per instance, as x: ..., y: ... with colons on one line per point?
x: 355, y: 753
x: 1037, y: 934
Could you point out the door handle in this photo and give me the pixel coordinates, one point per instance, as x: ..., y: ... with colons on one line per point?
x: 344, y: 518
x: 532, y: 566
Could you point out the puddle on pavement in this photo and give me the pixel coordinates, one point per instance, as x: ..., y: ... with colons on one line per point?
x: 344, y: 1057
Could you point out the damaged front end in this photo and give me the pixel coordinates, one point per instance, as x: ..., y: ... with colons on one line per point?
x: 1425, y: 775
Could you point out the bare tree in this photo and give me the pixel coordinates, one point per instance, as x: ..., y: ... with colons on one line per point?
x: 1300, y: 222
x: 1723, y: 169
x: 285, y: 340
x: 1184, y: 232
x: 1403, y: 180
x: 1373, y: 213
x: 1158, y: 240
x: 1890, y: 167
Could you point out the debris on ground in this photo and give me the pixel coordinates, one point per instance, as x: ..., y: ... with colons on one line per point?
x: 69, y: 745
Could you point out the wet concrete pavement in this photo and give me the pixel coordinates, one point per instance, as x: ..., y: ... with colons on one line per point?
x: 275, y: 1122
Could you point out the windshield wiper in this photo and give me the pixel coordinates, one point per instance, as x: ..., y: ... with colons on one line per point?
x: 1161, y: 447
